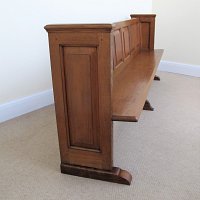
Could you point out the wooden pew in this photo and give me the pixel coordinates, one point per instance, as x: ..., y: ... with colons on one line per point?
x: 101, y: 73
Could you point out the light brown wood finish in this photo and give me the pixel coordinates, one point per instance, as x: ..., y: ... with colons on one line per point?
x: 99, y: 74
x: 147, y: 30
x: 131, y: 85
x: 82, y: 108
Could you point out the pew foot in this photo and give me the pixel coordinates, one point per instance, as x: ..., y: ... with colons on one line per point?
x: 147, y: 106
x: 156, y: 78
x: 116, y: 175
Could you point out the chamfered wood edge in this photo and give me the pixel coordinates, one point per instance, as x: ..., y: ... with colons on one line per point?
x: 116, y: 175
x: 125, y: 23
x: 62, y: 27
x: 125, y: 118
x: 143, y: 15
x: 105, y: 27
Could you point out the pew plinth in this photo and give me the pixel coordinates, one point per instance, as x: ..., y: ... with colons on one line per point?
x: 116, y: 175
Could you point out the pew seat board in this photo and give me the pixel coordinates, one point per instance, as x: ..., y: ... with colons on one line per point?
x: 131, y: 85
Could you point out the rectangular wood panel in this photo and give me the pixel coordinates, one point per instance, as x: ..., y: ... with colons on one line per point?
x: 133, y: 36
x: 126, y: 41
x: 81, y: 78
x: 134, y: 30
x: 138, y: 36
x: 118, y: 47
x: 145, y: 37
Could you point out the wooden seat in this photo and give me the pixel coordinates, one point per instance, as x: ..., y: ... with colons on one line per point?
x: 131, y: 85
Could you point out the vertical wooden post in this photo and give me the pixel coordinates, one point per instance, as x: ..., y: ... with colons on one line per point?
x: 147, y: 30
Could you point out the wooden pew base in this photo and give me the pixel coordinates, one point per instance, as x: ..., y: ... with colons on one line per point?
x: 116, y: 175
x: 147, y: 106
x: 156, y: 78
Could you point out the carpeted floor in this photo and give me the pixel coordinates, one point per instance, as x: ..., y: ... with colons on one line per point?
x: 162, y: 151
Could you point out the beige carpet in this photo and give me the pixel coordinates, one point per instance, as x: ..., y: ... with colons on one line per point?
x: 162, y: 151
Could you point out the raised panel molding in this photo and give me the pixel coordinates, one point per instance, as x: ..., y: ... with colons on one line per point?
x: 81, y: 83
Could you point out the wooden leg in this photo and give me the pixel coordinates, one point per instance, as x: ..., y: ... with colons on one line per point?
x: 116, y: 175
x: 156, y: 78
x: 147, y: 106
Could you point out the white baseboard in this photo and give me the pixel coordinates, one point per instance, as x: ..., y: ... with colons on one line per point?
x: 179, y: 68
x: 25, y: 105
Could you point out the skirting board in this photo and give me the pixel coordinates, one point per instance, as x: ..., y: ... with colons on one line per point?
x: 25, y: 105
x: 179, y: 68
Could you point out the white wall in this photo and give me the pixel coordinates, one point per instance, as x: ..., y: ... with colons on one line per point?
x: 178, y: 31
x: 24, y: 55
